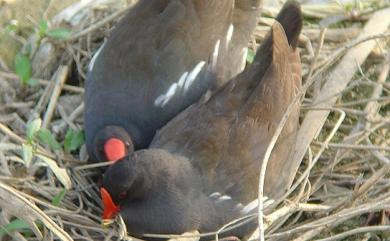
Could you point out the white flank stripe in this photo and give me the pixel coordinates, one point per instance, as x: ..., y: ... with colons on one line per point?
x: 250, y: 207
x: 182, y: 80
x: 91, y: 64
x: 159, y: 100
x: 223, y: 198
x: 214, y: 59
x: 162, y: 100
x: 229, y: 35
x: 192, y: 76
x: 215, y: 194
x: 244, y: 55
x: 182, y: 85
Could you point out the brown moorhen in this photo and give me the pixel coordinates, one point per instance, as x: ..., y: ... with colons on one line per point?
x: 161, y: 58
x: 202, y: 168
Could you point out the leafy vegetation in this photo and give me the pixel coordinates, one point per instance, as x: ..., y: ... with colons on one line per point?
x: 22, y: 63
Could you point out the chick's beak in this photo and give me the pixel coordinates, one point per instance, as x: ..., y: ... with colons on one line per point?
x: 110, y: 209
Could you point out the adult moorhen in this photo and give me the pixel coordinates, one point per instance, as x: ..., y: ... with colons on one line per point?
x: 202, y: 168
x: 160, y: 58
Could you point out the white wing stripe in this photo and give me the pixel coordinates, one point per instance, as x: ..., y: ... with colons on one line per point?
x: 181, y: 86
x: 192, y: 76
x: 229, y: 35
x: 91, y: 64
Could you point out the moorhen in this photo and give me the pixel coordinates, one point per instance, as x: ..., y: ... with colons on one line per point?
x: 160, y: 58
x: 202, y: 169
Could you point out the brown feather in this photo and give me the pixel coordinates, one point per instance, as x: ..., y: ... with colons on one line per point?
x: 226, y: 137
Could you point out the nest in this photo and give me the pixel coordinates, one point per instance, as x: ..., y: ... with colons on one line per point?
x: 341, y: 187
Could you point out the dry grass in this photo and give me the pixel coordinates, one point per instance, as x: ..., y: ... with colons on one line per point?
x: 341, y: 187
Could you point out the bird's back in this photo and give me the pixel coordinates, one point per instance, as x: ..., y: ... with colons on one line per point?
x: 226, y: 136
x: 161, y: 58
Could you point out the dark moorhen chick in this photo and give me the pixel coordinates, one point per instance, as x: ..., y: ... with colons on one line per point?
x: 161, y: 58
x: 202, y: 168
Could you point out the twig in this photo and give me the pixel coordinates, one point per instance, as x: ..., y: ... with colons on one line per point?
x: 291, y: 208
x: 334, y: 34
x: 7, y: 131
x: 315, y: 58
x: 364, y: 101
x: 309, y: 168
x: 65, y: 120
x: 315, y: 227
x: 370, y: 182
x: 337, y: 81
x: 355, y: 147
x: 43, y: 82
x: 371, y: 229
x: 20, y: 140
x: 61, y: 76
x: 264, y: 164
x: 66, y: 87
x: 28, y: 211
x: 97, y: 25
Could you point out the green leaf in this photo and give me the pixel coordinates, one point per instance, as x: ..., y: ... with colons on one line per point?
x: 250, y: 56
x: 32, y: 82
x: 27, y: 49
x: 14, y: 225
x: 348, y: 7
x: 73, y: 140
x: 42, y: 28
x: 11, y: 28
x: 46, y: 137
x: 27, y: 152
x: 59, y: 172
x: 68, y: 139
x: 32, y: 129
x: 23, y: 67
x: 57, y: 199
x: 58, y: 33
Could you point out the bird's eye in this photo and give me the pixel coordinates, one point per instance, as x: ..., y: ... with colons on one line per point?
x: 122, y: 195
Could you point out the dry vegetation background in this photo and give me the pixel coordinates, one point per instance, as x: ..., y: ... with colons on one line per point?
x: 342, y: 187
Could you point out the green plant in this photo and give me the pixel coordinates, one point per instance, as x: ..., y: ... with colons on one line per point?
x: 58, y: 199
x: 250, y: 56
x: 22, y: 60
x: 14, y: 225
x: 55, y: 33
x: 23, y: 69
x: 73, y: 140
x: 22, y: 226
x: 35, y: 135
